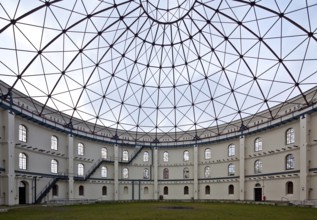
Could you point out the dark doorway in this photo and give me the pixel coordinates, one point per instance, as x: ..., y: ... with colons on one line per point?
x: 22, y: 193
x: 257, y: 194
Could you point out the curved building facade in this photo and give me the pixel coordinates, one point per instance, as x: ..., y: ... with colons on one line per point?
x: 45, y: 161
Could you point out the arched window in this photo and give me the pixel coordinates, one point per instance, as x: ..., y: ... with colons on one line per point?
x: 55, y: 190
x: 207, y: 190
x: 81, y: 190
x: 80, y: 149
x: 146, y: 173
x: 125, y: 190
x: 165, y: 190
x: 165, y: 156
x: 289, y: 188
x: 207, y: 154
x: 186, y: 155
x: 54, y: 165
x: 125, y: 173
x: 231, y: 189
x: 258, y: 166
x: 145, y: 156
x: 231, y: 169
x: 80, y: 170
x: 257, y: 144
x: 290, y: 162
x: 104, y: 153
x: 54, y: 143
x: 186, y: 190
x: 22, y: 161
x: 186, y: 173
x: 104, y: 172
x: 207, y: 172
x: 104, y: 190
x: 290, y: 136
x: 22, y: 133
x: 125, y: 155
x: 165, y: 173
x: 231, y: 150
x: 146, y: 190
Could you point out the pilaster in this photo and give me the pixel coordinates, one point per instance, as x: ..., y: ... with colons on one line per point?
x: 70, y: 140
x: 196, y: 188
x: 116, y: 172
x: 304, y: 163
x: 242, y: 168
x: 155, y: 173
x: 9, y: 163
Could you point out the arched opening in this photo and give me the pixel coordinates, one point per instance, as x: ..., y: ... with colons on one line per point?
x: 125, y: 190
x: 207, y: 190
x: 165, y: 190
x: 104, y: 190
x: 289, y: 187
x: 257, y: 192
x: 81, y: 190
x: 231, y: 189
x: 186, y: 190
x: 146, y: 190
x: 22, y: 192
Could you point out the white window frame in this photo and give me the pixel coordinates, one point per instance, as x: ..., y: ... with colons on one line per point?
x: 22, y: 133
x: 54, y: 166
x: 54, y: 142
x: 80, y: 149
x: 165, y: 156
x: 104, y: 153
x: 22, y: 161
x: 186, y: 155
x: 207, y: 154
x: 104, y: 172
x: 231, y: 150
x: 80, y: 169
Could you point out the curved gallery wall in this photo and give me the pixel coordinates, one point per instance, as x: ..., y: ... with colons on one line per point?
x: 43, y: 161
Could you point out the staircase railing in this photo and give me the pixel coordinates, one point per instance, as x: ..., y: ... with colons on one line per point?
x: 46, y: 190
x: 137, y: 150
x: 97, y: 164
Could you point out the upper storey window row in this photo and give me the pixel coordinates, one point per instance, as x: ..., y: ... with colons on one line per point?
x: 231, y: 152
x: 258, y: 146
x: 185, y: 156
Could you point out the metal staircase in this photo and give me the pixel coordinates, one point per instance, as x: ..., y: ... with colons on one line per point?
x: 46, y: 190
x: 137, y: 150
x: 97, y: 164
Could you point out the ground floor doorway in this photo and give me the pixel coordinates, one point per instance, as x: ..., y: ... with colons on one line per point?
x: 257, y: 194
x: 22, y: 192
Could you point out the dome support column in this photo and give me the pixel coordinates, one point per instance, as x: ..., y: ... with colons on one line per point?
x: 70, y: 166
x: 304, y: 152
x: 155, y: 173
x: 242, y: 168
x: 116, y: 172
x: 9, y: 183
x: 196, y: 189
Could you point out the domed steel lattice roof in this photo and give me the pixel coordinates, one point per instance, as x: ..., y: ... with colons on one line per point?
x: 159, y: 67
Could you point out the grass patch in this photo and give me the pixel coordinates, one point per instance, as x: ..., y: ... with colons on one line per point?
x: 157, y: 210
